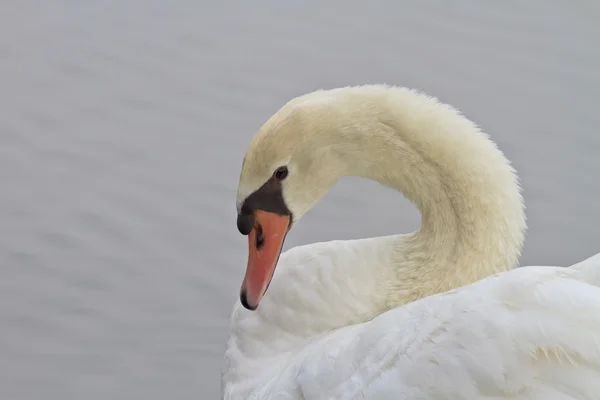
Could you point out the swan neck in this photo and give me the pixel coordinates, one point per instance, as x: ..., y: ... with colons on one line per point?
x: 473, y: 219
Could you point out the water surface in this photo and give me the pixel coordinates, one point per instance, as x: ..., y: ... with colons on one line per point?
x: 122, y: 130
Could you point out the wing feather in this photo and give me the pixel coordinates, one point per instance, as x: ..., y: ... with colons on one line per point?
x: 532, y: 333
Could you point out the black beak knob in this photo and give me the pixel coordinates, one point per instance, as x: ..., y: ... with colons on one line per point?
x: 245, y: 222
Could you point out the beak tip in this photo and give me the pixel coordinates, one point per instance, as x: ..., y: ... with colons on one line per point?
x: 244, y: 301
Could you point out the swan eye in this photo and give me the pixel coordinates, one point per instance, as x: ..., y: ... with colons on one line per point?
x: 281, y: 173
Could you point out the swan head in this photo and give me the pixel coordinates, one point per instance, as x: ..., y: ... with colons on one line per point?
x: 286, y: 170
x: 464, y: 187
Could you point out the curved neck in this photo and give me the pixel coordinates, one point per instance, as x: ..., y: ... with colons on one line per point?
x: 473, y: 219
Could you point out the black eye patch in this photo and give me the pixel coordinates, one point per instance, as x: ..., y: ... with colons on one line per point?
x: 269, y: 197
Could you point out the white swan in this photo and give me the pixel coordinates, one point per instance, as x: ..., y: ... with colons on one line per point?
x: 437, y: 314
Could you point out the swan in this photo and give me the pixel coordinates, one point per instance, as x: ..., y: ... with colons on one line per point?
x: 441, y: 313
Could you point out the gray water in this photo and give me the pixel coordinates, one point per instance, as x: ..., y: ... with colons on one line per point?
x: 122, y: 129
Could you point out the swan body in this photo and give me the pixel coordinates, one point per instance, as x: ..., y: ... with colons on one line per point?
x: 440, y: 313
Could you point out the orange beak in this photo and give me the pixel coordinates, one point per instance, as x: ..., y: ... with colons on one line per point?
x: 264, y: 247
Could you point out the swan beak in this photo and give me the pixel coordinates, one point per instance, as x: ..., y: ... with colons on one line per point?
x: 264, y: 246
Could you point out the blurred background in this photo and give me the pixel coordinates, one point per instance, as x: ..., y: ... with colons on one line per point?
x: 122, y: 129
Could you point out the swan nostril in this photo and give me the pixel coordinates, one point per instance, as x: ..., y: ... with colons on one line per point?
x: 260, y: 237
